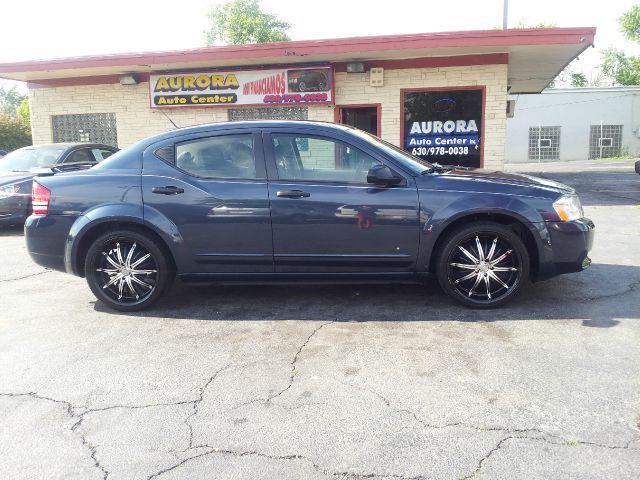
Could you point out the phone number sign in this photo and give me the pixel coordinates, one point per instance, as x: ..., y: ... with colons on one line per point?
x: 444, y: 126
x: 299, y: 85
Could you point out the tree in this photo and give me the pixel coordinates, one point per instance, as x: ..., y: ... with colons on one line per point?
x: 619, y: 67
x: 23, y: 111
x: 630, y: 24
x: 237, y: 22
x: 10, y: 99
x: 14, y: 133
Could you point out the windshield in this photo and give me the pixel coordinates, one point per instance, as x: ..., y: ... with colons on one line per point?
x: 26, y: 158
x: 415, y: 164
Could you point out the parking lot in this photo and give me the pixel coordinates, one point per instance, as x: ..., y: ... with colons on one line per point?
x: 306, y: 382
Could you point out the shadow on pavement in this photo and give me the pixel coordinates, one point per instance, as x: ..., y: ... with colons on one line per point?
x: 591, y: 296
x: 12, y: 231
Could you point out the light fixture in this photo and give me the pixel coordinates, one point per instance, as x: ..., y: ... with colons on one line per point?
x: 128, y: 79
x: 355, y: 67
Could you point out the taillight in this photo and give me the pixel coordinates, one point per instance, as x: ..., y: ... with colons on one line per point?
x: 40, y: 199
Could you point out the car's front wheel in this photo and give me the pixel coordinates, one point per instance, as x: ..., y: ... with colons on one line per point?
x: 127, y: 270
x: 482, y: 264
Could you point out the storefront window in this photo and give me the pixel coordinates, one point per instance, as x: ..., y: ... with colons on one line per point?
x: 444, y: 126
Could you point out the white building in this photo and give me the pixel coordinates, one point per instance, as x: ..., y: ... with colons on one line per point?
x: 574, y: 124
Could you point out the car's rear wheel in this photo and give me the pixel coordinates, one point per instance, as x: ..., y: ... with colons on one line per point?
x: 482, y: 264
x: 127, y: 270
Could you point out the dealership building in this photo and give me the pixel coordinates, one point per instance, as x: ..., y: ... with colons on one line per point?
x: 442, y: 96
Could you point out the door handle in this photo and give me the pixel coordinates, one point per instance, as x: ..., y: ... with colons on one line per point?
x: 293, y: 194
x: 169, y: 190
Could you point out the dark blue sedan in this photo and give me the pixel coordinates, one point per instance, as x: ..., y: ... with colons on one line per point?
x: 259, y: 202
x: 18, y: 168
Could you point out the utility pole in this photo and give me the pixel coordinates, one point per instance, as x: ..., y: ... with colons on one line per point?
x: 505, y: 14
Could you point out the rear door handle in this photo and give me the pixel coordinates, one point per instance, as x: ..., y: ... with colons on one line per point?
x: 169, y: 190
x: 293, y: 194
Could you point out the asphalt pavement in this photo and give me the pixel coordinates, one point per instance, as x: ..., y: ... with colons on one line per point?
x: 330, y: 382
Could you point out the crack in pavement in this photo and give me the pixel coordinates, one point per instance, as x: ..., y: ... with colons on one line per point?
x: 254, y: 453
x: 630, y: 288
x: 519, y: 433
x: 71, y: 411
x: 78, y: 414
x: 197, y: 401
x: 292, y: 373
x: 25, y: 276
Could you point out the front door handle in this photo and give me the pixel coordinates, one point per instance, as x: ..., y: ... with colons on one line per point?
x: 293, y: 194
x: 169, y: 190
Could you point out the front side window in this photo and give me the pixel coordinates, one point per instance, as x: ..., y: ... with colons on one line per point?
x: 309, y: 158
x: 224, y: 156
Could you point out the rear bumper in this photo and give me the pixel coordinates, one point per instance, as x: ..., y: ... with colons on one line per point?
x: 46, y: 236
x: 570, y: 246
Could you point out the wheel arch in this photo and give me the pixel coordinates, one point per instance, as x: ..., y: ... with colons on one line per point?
x: 511, y: 220
x: 87, y: 229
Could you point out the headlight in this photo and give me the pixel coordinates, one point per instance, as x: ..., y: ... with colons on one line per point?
x: 7, y: 191
x: 568, y: 208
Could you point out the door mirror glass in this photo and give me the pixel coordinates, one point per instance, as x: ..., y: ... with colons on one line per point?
x: 382, y: 175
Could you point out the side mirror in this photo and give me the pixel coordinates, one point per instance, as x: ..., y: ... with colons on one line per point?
x: 382, y: 175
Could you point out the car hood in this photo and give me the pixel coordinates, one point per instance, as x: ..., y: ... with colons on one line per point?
x: 513, y: 180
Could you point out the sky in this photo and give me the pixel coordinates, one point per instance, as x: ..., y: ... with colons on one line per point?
x: 38, y: 29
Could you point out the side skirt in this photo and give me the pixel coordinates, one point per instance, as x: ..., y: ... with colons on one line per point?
x: 305, y: 278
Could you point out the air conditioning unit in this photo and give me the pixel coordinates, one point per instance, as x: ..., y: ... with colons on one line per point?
x: 511, y: 108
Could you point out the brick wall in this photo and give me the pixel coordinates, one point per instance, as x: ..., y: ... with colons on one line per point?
x: 137, y: 120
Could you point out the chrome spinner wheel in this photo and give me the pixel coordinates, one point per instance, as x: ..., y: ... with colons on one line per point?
x: 127, y: 271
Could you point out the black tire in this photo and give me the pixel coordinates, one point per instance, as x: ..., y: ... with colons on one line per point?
x: 113, y: 281
x: 481, y: 283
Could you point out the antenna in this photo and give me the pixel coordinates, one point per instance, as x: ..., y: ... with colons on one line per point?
x: 169, y: 118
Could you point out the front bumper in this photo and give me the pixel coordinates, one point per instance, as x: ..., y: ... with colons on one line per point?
x: 570, y: 243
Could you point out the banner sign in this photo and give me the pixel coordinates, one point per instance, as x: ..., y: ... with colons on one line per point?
x: 281, y: 86
x: 444, y: 126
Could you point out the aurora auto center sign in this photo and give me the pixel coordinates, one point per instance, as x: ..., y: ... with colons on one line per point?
x: 294, y: 85
x: 445, y: 125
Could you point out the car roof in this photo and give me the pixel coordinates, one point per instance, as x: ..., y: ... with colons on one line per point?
x: 220, y: 126
x: 70, y: 145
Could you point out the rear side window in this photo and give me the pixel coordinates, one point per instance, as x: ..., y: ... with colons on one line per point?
x: 224, y: 156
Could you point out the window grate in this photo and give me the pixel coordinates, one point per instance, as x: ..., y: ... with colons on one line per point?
x: 544, y: 143
x: 605, y: 141
x: 86, y: 127
x: 268, y: 113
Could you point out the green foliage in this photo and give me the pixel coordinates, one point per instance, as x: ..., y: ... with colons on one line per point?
x: 630, y: 24
x: 10, y: 99
x: 522, y: 23
x: 14, y: 133
x: 620, y: 68
x: 579, y: 79
x: 239, y: 22
x: 23, y: 112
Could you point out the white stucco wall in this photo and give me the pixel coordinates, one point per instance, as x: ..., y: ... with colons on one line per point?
x: 574, y: 110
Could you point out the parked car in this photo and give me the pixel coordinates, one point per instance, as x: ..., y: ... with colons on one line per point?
x: 309, y: 81
x: 18, y: 168
x: 638, y: 167
x: 256, y: 202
